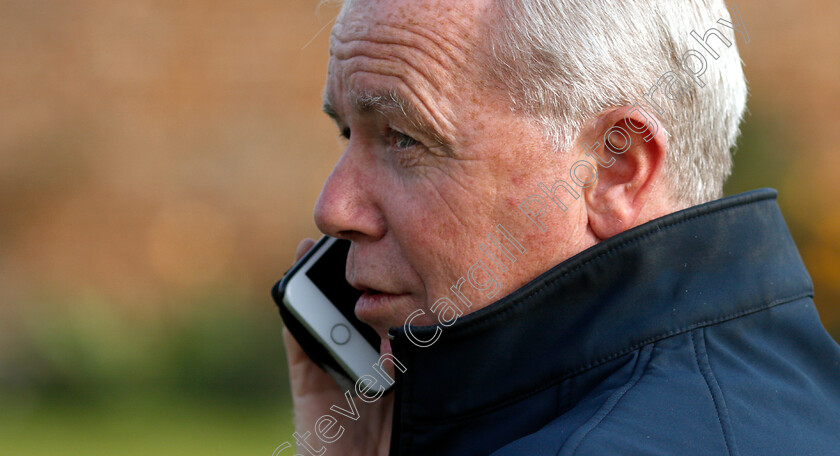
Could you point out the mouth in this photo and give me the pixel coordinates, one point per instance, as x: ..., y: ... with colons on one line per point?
x: 374, y: 299
x: 374, y: 307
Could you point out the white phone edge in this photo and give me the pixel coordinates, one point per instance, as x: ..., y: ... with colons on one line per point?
x: 317, y: 313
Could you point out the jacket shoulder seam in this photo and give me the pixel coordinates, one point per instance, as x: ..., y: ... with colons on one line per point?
x: 573, y: 443
x: 701, y: 356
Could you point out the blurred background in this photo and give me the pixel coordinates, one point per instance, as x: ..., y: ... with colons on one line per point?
x: 159, y: 162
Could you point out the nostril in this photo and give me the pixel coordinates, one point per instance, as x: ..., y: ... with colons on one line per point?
x: 345, y: 234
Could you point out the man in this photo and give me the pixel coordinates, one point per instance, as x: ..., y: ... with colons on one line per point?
x: 526, y: 179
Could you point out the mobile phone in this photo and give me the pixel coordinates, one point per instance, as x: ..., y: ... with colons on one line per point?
x: 317, y: 306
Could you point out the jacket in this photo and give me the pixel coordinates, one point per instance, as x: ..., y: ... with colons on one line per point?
x: 693, y: 334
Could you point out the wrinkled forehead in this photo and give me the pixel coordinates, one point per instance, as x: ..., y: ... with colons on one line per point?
x: 446, y: 23
x: 423, y: 55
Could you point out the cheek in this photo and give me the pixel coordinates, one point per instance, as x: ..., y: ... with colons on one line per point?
x: 438, y: 227
x: 442, y: 225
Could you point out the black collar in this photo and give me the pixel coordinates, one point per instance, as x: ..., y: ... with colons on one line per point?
x: 692, y: 268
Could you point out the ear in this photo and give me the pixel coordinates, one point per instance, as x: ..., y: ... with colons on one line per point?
x: 630, y: 148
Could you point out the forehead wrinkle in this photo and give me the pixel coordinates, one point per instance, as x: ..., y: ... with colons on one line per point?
x: 399, y: 54
x: 417, y: 57
x: 436, y: 116
x: 449, y: 40
x: 450, y: 55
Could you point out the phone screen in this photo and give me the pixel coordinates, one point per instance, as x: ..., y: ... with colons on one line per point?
x: 328, y: 276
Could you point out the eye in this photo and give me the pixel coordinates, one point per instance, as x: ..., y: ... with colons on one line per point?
x: 403, y: 141
x: 345, y: 133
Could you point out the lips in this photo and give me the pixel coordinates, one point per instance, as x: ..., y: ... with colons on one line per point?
x: 373, y: 301
x: 376, y: 308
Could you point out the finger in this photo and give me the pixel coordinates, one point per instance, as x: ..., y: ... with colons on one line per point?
x: 293, y: 348
x: 303, y: 247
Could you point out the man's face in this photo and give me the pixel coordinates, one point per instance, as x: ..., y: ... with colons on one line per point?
x: 434, y: 160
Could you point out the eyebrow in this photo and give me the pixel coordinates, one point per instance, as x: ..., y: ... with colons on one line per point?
x: 387, y: 104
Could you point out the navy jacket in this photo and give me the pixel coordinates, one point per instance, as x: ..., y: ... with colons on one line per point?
x: 694, y: 334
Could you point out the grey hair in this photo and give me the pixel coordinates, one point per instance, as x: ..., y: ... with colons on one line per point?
x: 565, y: 61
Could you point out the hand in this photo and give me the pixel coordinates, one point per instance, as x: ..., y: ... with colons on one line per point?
x: 314, y: 392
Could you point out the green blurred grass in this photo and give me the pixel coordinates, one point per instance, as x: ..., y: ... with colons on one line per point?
x: 221, y: 343
x: 142, y: 425
x: 207, y: 375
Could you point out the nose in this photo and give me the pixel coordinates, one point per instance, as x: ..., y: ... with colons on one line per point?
x: 347, y: 207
